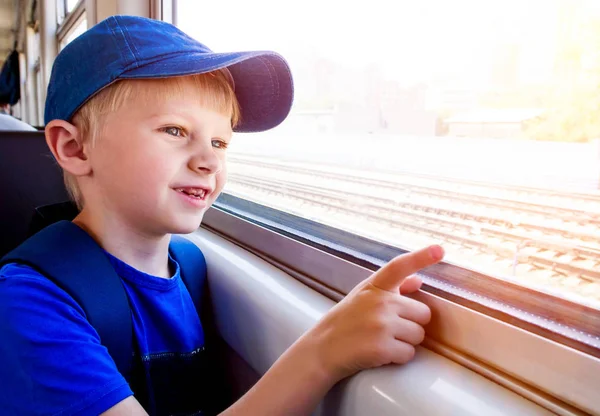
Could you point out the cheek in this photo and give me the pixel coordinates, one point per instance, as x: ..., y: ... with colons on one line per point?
x: 109, y: 162
x: 139, y: 170
x: 222, y: 178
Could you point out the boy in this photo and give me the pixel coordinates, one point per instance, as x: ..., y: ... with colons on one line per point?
x: 139, y: 117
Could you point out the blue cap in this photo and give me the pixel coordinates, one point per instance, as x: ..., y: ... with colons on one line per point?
x: 130, y: 47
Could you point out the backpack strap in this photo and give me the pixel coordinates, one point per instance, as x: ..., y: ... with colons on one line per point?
x: 193, y: 271
x: 192, y: 265
x: 67, y: 255
x: 70, y: 258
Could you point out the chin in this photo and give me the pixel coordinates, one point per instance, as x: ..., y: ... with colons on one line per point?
x: 185, y: 225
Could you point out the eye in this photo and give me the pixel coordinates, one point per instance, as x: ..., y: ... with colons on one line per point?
x: 219, y: 144
x: 173, y: 131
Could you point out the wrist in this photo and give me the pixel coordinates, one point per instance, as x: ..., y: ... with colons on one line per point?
x: 311, y: 350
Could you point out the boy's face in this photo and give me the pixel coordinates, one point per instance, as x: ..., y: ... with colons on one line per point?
x: 159, y: 165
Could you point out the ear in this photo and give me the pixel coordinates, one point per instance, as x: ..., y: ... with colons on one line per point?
x: 66, y: 145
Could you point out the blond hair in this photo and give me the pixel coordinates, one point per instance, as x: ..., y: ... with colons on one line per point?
x: 216, y: 93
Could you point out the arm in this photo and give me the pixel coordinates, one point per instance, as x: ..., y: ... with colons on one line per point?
x: 373, y: 326
x: 128, y: 407
x: 294, y: 385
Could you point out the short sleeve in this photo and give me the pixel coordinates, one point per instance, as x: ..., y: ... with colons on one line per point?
x: 51, y: 359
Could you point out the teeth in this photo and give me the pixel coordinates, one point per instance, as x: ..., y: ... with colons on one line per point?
x: 199, y: 193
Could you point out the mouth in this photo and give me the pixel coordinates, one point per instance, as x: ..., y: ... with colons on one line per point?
x: 193, y: 192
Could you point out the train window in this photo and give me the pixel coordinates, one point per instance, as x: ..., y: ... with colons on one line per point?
x: 468, y: 123
x: 65, y: 7
x: 71, y: 19
x: 70, y: 5
x: 77, y: 29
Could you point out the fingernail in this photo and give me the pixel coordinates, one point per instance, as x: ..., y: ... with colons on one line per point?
x: 437, y: 252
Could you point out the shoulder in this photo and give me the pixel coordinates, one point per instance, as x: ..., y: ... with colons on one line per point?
x: 14, y: 269
x: 51, y: 358
x: 20, y: 283
x: 25, y: 280
x: 8, y: 122
x: 20, y: 271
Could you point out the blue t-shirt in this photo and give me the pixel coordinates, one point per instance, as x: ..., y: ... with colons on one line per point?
x: 51, y: 359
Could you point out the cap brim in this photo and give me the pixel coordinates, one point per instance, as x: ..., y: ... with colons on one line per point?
x: 263, y: 82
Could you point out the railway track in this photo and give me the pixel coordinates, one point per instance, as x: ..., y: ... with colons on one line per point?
x: 568, y: 210
x: 563, y: 206
x: 466, y: 233
x: 517, y: 190
x: 559, y: 248
x: 476, y: 220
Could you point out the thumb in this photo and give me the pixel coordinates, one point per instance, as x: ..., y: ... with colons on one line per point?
x: 391, y: 275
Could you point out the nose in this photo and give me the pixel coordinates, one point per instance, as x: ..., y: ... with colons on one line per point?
x: 205, y: 158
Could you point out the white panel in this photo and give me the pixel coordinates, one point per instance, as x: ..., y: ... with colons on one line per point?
x: 105, y: 8
x: 261, y: 311
x: 49, y: 46
x: 91, y: 12
x: 134, y: 7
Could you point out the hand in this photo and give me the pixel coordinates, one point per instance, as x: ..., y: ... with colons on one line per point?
x: 374, y: 324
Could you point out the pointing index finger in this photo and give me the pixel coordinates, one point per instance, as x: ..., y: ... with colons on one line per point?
x: 391, y: 275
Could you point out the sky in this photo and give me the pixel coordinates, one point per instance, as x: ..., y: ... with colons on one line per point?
x: 411, y: 41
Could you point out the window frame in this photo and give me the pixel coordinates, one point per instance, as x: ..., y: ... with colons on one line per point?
x: 527, y: 308
x: 165, y: 10
x: 69, y: 21
x: 38, y: 91
x: 252, y: 297
x: 488, y: 347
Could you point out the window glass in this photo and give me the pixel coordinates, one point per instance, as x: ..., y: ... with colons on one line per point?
x: 60, y: 11
x: 63, y: 8
x: 71, y: 5
x: 473, y: 124
x: 78, y: 28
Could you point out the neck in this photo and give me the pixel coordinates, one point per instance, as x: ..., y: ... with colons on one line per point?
x: 145, y: 252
